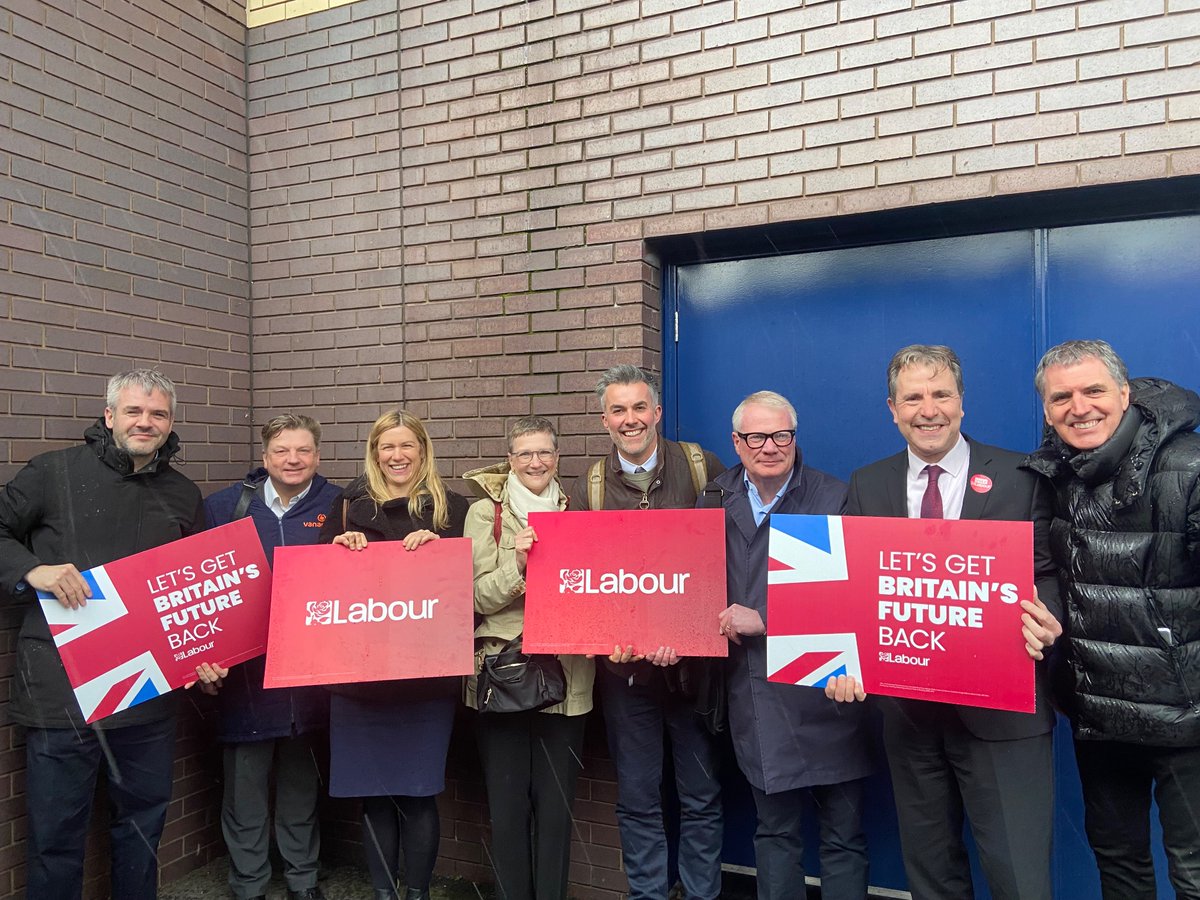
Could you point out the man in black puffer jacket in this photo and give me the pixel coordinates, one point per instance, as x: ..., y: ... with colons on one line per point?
x: 1125, y: 464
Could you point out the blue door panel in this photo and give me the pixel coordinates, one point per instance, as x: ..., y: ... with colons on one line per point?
x: 820, y: 328
x: 1134, y: 284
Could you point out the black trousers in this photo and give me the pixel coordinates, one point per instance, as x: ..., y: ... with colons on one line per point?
x: 393, y: 826
x: 1118, y: 780
x: 531, y: 761
x: 1006, y: 789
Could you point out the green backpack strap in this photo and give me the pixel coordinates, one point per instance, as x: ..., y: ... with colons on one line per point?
x: 696, y: 463
x: 596, y: 485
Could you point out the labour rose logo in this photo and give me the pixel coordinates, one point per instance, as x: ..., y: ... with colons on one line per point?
x: 320, y: 612
x: 572, y: 581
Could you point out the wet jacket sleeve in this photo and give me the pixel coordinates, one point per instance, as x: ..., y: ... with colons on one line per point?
x: 498, y: 582
x: 21, y: 506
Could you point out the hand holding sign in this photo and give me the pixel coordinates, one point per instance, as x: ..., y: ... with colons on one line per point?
x: 737, y: 620
x: 845, y: 689
x: 64, y: 582
x: 1039, y: 627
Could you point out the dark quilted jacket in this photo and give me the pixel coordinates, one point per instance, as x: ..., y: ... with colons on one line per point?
x: 1126, y: 541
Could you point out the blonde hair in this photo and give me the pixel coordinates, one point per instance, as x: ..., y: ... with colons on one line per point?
x: 427, y: 484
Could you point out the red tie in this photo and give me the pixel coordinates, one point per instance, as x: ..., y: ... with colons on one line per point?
x: 931, y: 503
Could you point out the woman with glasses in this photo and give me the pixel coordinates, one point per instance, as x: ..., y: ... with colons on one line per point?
x: 530, y: 759
x: 388, y: 739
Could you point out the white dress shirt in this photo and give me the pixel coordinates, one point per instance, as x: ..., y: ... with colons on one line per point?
x: 952, y: 482
x: 275, y: 502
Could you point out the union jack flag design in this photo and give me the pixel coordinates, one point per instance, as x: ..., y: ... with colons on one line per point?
x: 805, y: 550
x: 104, y: 606
x: 153, y: 616
x: 137, y: 677
x: 124, y: 685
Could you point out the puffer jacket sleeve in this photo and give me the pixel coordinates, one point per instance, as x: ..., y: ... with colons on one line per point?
x: 20, y: 510
x: 498, y: 582
x: 1193, y: 525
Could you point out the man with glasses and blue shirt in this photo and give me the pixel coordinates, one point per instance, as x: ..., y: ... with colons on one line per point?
x: 947, y: 760
x: 648, y: 701
x: 789, y: 741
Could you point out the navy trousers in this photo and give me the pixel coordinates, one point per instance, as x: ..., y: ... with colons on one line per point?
x: 62, y: 765
x: 639, y: 719
x: 779, y: 842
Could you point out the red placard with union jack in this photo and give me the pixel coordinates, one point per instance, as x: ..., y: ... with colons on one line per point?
x: 154, y: 616
x: 919, y: 608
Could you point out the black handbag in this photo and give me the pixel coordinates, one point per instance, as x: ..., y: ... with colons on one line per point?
x: 511, y: 681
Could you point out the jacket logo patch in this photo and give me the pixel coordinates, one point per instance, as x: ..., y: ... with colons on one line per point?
x: 981, y: 484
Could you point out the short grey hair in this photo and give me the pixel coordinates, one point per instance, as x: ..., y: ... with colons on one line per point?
x: 1071, y: 353
x: 290, y: 422
x: 148, y: 380
x: 765, y: 398
x: 626, y: 374
x: 532, y: 425
x: 938, y: 356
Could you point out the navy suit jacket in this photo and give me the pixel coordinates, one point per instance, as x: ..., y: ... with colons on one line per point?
x: 1016, y: 495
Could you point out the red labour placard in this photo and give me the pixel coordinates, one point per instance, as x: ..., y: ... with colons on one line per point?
x: 927, y: 609
x: 649, y: 578
x: 154, y: 616
x: 377, y: 614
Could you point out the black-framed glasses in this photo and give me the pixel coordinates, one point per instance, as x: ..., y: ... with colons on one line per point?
x: 756, y: 439
x: 525, y: 457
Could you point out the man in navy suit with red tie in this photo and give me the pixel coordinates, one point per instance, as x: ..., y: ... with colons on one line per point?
x: 946, y: 760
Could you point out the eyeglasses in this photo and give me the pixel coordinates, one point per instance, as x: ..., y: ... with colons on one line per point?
x: 525, y: 457
x: 756, y: 439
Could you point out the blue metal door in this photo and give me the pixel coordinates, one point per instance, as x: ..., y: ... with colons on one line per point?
x: 820, y: 328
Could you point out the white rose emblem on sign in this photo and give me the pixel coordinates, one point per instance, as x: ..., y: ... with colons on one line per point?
x: 320, y: 612
x: 572, y: 581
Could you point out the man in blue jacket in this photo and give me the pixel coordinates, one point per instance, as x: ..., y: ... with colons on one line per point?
x: 288, y: 501
x: 789, y: 740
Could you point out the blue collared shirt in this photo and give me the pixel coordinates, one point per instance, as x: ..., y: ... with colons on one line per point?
x: 629, y: 468
x: 757, y: 506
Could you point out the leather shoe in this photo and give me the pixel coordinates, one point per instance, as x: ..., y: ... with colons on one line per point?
x: 384, y: 894
x: 312, y: 893
x: 416, y: 894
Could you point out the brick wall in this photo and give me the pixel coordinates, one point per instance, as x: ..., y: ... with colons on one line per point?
x: 538, y: 144
x: 448, y: 201
x: 123, y: 242
x: 475, y: 251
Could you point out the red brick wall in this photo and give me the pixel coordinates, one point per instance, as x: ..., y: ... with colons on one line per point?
x: 123, y: 242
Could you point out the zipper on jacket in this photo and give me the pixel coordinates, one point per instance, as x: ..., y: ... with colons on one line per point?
x: 1172, y: 647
